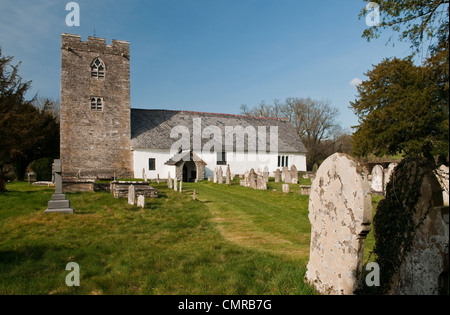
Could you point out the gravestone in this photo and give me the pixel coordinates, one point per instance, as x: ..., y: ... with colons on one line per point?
x: 157, y: 179
x: 286, y: 188
x: 418, y: 226
x: 340, y: 212
x: 144, y: 175
x: 305, y: 190
x: 288, y: 178
x: 261, y: 184
x: 443, y: 178
x: 169, y: 182
x: 141, y: 201
x: 266, y: 174
x: 131, y: 195
x: 388, y: 173
x: 220, y: 176
x: 284, y: 172
x: 294, y: 175
x: 181, y: 187
x: 247, y: 178
x: 216, y: 175
x: 277, y: 176
x: 252, y: 179
x: 59, y: 202
x: 228, y: 176
x: 378, y: 179
x: 194, y: 195
x: 175, y: 184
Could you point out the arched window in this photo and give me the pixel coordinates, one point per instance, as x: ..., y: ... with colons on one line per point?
x: 97, y: 104
x: 98, y: 69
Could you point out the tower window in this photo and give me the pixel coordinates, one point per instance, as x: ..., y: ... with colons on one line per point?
x: 97, y: 104
x: 98, y: 69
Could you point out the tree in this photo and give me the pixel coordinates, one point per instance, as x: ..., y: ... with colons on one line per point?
x: 401, y: 109
x: 314, y: 121
x: 26, y: 132
x: 417, y: 21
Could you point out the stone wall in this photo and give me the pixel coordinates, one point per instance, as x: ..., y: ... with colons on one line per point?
x: 95, y: 143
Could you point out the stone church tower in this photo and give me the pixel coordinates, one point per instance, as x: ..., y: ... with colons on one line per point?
x: 95, y: 108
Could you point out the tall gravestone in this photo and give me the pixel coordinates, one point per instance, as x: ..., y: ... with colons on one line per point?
x: 131, y: 195
x: 277, y: 176
x: 220, y: 176
x: 169, y: 181
x: 59, y: 202
x: 294, y: 174
x: 266, y: 174
x: 412, y: 232
x: 228, y: 176
x: 340, y: 212
x: 378, y: 179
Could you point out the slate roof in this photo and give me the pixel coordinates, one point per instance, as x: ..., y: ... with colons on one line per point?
x: 150, y: 129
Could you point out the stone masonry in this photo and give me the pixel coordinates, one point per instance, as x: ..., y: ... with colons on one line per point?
x: 95, y: 142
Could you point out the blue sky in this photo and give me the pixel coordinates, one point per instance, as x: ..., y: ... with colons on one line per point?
x: 207, y: 55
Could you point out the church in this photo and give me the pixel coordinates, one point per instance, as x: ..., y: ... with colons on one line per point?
x: 102, y: 137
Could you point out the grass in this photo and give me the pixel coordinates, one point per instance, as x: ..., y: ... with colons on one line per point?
x: 231, y: 241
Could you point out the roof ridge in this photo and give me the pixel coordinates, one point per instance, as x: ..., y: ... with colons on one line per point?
x: 216, y: 114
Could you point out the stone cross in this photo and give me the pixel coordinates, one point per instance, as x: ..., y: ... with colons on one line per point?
x: 59, y: 202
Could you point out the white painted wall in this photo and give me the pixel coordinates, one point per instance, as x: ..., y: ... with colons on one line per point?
x: 239, y: 162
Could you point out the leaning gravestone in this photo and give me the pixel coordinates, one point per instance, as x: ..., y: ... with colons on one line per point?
x: 59, y: 202
x: 411, y: 232
x: 340, y: 212
x: 377, y: 179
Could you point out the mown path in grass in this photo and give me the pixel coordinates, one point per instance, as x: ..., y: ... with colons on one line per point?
x: 263, y: 220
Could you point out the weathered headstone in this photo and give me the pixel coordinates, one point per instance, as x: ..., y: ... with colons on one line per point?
x: 169, y: 182
x: 141, y: 201
x: 388, y: 173
x: 252, y: 179
x: 247, y: 178
x: 284, y: 172
x: 261, y: 184
x: 277, y: 176
x: 411, y: 232
x: 181, y: 187
x: 266, y: 174
x: 220, y: 176
x: 59, y: 202
x: 228, y: 176
x: 442, y: 175
x: 216, y: 175
x: 294, y: 175
x: 377, y: 179
x: 288, y: 178
x: 340, y: 212
x: 158, y: 179
x: 131, y: 195
x: 175, y: 184
x: 286, y: 188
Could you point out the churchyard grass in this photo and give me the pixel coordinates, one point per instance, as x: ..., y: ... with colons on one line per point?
x: 232, y: 240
